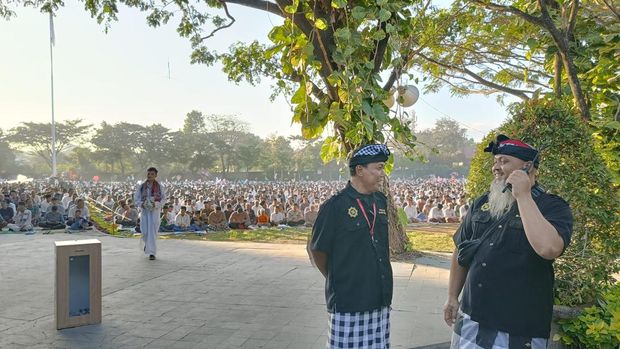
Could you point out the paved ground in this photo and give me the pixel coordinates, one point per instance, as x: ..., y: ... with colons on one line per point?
x: 200, y: 295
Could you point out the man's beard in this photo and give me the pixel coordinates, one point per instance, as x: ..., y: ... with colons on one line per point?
x: 499, y: 202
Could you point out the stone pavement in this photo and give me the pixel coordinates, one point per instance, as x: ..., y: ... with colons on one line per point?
x: 200, y: 294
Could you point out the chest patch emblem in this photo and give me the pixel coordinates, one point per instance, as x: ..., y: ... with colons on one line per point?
x: 352, y: 212
x: 381, y: 211
x: 485, y: 207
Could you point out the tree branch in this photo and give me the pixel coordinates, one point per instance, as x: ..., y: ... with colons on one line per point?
x: 479, y: 79
x: 572, y: 20
x: 259, y: 5
x: 511, y: 9
x: 398, y: 71
x: 380, y: 49
x: 612, y: 8
x: 232, y: 20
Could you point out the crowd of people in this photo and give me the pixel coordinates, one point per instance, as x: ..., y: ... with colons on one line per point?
x: 211, y: 205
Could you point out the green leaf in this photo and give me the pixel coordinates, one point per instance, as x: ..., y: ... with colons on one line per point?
x: 300, y: 95
x: 384, y: 15
x: 292, y: 8
x: 389, y: 165
x: 358, y: 13
x: 343, y: 34
x: 320, y: 24
x: 369, y: 126
x: 339, y: 3
x: 379, y: 35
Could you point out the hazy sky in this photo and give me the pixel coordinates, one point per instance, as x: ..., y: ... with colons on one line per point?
x: 123, y: 76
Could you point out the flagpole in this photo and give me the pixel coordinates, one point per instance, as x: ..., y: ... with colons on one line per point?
x: 52, y: 90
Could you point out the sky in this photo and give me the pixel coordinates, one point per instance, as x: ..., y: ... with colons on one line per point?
x: 122, y: 76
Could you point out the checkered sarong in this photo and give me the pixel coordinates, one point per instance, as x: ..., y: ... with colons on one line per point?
x: 468, y: 334
x: 367, y: 330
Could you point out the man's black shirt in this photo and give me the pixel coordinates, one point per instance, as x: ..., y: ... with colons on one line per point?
x: 509, y: 287
x: 359, y: 276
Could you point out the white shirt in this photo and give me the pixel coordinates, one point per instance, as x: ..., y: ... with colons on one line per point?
x: 182, y: 221
x: 277, y: 217
x: 66, y: 200
x: 44, y: 206
x: 23, y: 219
x: 85, y: 213
x: 170, y: 217
x: 463, y: 211
x: 435, y: 213
x: 449, y: 212
x: 411, y: 211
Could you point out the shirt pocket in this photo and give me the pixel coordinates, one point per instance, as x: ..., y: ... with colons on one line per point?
x: 480, y: 222
x: 514, y: 237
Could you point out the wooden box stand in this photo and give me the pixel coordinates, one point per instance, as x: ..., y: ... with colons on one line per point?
x: 78, y: 283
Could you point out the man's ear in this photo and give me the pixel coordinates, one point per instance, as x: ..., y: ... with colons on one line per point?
x: 358, y: 169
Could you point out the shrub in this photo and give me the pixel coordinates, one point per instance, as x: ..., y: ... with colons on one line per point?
x: 597, y: 326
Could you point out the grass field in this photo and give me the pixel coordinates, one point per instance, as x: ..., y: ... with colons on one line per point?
x: 423, y: 239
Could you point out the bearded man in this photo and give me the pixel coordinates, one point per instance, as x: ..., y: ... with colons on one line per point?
x: 507, y: 286
x: 150, y: 195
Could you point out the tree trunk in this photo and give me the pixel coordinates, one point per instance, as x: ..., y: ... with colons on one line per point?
x: 561, y: 42
x: 120, y: 161
x: 575, y: 86
x: 396, y: 232
x: 557, y: 76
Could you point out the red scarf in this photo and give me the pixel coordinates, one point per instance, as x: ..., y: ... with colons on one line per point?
x: 155, y: 191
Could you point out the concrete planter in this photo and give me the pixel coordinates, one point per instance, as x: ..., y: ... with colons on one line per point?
x: 561, y: 312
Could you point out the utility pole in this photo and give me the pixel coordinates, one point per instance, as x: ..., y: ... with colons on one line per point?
x: 52, y: 39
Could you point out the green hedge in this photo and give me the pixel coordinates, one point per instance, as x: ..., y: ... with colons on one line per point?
x: 598, y: 326
x: 572, y: 169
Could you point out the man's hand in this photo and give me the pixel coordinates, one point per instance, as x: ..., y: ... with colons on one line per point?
x: 520, y: 182
x: 450, y: 310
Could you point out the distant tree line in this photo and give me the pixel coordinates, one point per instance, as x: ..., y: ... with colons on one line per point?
x: 207, y: 146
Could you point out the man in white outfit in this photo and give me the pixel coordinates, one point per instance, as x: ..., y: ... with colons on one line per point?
x: 149, y: 196
x: 22, y: 219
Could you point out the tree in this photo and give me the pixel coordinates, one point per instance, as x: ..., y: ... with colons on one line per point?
x: 153, y: 145
x: 35, y: 137
x: 526, y: 49
x: 224, y: 133
x: 447, y: 140
x: 84, y: 159
x: 248, y: 150
x: 276, y: 157
x: 7, y: 158
x: 194, y: 123
x: 115, y: 144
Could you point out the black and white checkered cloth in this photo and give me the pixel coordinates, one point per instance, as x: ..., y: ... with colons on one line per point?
x: 367, y: 330
x: 468, y: 334
x: 372, y: 149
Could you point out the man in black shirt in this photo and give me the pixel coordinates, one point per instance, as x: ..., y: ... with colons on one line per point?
x: 507, y: 298
x: 350, y: 247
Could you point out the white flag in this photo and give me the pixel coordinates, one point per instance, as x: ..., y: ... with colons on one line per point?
x: 52, y: 34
